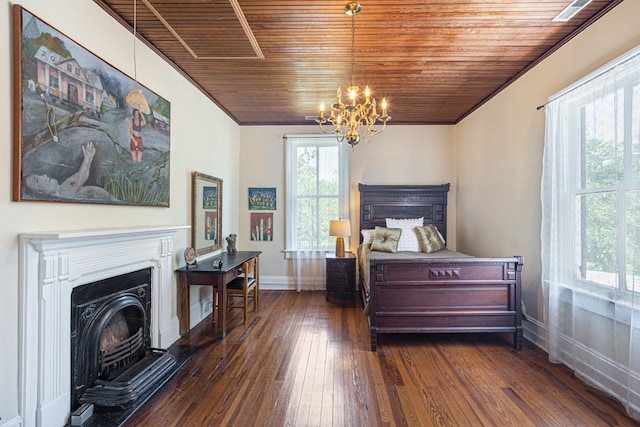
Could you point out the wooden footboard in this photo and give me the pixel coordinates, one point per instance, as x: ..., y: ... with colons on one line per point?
x: 445, y: 295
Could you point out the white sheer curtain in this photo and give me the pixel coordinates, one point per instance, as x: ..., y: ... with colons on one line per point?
x: 308, y: 269
x: 591, y: 229
x: 306, y: 249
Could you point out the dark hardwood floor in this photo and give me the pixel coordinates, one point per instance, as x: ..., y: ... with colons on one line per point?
x: 303, y: 361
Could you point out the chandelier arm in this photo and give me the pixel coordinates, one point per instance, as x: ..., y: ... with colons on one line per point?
x: 323, y: 130
x: 372, y: 120
x: 379, y: 131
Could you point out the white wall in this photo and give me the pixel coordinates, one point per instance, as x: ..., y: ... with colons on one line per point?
x: 202, y: 139
x: 400, y: 155
x: 500, y: 152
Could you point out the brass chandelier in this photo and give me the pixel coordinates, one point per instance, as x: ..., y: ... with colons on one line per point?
x: 354, y: 120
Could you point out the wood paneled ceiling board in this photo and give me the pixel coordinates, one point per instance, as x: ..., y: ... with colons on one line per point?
x: 271, y: 62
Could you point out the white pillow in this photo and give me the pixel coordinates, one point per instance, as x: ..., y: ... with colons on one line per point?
x: 367, y: 236
x: 408, y: 239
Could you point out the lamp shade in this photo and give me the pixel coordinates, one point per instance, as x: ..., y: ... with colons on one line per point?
x: 340, y: 227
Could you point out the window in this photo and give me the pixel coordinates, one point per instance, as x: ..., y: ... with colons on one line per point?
x: 317, y: 190
x: 607, y: 190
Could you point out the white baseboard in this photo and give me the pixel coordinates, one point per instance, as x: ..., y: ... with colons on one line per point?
x: 287, y: 283
x: 13, y: 422
x: 536, y: 332
x: 200, y: 309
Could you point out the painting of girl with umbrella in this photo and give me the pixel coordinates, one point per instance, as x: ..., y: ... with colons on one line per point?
x: 136, y: 99
x: 82, y: 121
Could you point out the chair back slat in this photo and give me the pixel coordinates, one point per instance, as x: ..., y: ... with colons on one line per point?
x: 249, y: 266
x: 242, y: 285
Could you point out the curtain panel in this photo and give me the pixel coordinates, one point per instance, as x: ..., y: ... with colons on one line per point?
x: 591, y: 229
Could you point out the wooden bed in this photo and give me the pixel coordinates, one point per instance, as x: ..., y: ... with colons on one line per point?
x: 433, y: 295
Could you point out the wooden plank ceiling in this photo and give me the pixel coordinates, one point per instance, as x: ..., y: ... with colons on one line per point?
x: 271, y: 62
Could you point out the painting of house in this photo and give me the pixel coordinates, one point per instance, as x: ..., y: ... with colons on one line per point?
x: 161, y: 122
x: 67, y: 81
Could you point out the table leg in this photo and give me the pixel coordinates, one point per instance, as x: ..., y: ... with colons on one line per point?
x: 222, y: 309
x: 185, y: 315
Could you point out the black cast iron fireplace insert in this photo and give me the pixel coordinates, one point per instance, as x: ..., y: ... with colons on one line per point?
x: 112, y: 361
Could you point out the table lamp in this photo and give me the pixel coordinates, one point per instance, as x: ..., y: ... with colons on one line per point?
x: 340, y: 228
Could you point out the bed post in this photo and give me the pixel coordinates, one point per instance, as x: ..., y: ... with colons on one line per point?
x: 518, y: 340
x: 373, y: 331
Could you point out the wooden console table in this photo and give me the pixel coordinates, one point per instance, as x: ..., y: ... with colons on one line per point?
x: 204, y: 274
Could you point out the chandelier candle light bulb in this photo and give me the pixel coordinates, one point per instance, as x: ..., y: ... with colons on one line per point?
x: 354, y: 120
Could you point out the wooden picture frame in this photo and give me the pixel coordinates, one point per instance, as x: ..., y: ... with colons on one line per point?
x: 206, y: 213
x: 75, y: 136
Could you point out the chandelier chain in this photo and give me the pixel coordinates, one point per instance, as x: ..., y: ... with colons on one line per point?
x: 353, y: 49
x: 135, y: 28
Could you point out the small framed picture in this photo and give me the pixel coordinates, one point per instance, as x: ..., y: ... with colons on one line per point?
x: 262, y: 226
x: 262, y: 199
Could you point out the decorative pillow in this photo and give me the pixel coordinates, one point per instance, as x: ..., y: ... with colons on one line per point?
x: 386, y: 239
x: 367, y: 235
x: 430, y: 239
x: 408, y: 239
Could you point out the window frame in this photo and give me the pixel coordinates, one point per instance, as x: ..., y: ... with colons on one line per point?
x: 292, y: 143
x: 580, y: 188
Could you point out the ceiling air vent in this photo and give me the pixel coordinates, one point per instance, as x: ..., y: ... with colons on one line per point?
x: 571, y: 10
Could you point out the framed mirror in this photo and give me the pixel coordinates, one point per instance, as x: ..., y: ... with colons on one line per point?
x: 206, y: 213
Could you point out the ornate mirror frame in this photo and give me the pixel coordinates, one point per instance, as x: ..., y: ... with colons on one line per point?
x: 206, y: 213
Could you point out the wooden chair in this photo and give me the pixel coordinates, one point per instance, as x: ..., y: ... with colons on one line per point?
x: 242, y: 286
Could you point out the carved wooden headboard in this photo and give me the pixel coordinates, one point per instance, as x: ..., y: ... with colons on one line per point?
x: 378, y: 202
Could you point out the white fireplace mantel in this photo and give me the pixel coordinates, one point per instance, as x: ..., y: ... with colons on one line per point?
x: 51, y: 265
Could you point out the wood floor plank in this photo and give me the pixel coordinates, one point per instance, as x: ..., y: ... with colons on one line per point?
x: 304, y: 361
x: 427, y: 401
x: 449, y: 379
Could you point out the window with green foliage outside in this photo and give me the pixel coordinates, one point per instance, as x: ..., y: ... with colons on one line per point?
x: 317, y: 190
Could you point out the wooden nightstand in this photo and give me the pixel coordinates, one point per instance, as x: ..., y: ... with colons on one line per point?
x: 341, y: 273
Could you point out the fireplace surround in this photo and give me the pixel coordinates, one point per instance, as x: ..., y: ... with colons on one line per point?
x: 52, y: 264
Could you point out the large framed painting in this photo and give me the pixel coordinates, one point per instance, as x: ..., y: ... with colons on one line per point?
x: 84, y: 132
x: 206, y: 213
